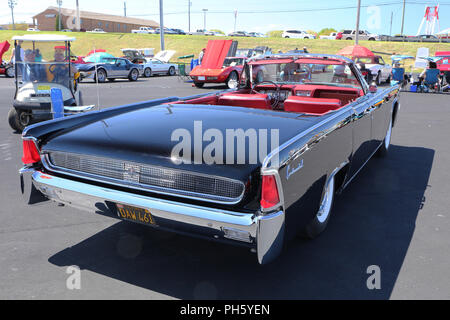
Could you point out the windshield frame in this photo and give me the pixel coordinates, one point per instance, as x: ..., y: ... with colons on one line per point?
x: 361, y: 82
x: 67, y: 58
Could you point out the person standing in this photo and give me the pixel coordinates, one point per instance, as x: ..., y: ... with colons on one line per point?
x: 18, y: 55
x: 200, y: 56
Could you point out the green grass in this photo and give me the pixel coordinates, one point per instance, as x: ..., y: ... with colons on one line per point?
x: 185, y: 45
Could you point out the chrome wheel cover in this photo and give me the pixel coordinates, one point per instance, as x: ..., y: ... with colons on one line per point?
x: 101, y: 76
x: 10, y: 72
x: 387, y: 140
x: 233, y: 81
x: 326, y: 203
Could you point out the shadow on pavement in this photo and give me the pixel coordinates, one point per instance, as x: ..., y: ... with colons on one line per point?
x: 372, y: 224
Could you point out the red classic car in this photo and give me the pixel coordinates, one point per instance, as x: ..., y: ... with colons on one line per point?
x: 6, y: 68
x: 442, y: 60
x: 217, y: 67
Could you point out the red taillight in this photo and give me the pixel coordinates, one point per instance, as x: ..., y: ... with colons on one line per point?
x: 269, y: 192
x: 30, y: 152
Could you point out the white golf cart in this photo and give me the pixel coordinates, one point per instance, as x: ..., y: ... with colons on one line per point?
x: 42, y: 62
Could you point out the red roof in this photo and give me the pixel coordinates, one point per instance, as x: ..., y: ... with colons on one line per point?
x: 96, y: 51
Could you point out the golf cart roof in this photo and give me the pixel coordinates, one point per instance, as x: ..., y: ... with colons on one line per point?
x: 43, y: 38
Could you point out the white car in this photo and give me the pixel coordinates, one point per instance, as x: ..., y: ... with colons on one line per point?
x: 97, y: 30
x: 380, y: 70
x: 33, y: 30
x: 159, y: 64
x: 257, y: 35
x: 332, y: 36
x: 297, y: 34
x: 143, y: 30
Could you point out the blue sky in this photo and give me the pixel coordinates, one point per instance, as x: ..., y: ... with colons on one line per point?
x: 278, y: 15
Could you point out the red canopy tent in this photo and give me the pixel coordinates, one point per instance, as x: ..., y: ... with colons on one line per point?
x: 95, y: 51
x: 356, y: 51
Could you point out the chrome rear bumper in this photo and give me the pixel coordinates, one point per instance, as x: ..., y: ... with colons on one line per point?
x: 265, y: 232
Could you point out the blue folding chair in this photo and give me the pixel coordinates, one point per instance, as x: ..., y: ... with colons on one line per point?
x: 431, y: 80
x: 398, y: 74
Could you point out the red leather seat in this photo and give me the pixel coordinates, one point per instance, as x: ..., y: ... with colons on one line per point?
x: 260, y: 101
x: 311, y: 105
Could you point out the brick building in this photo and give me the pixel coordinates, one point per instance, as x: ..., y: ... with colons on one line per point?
x: 46, y: 21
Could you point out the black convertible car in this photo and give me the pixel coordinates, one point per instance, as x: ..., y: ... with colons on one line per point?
x: 111, y: 69
x: 253, y: 166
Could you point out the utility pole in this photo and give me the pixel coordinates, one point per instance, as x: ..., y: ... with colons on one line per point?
x: 189, y: 15
x: 78, y: 26
x: 59, y: 2
x: 12, y: 4
x: 125, y: 8
x: 357, y: 22
x: 392, y: 17
x: 403, y: 16
x: 161, y: 24
x: 235, y: 18
x: 204, y: 18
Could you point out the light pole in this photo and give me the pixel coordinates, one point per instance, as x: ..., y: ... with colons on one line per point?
x: 59, y: 2
x: 357, y: 23
x: 12, y: 4
x: 235, y: 18
x: 161, y: 24
x: 78, y: 26
x: 204, y: 18
x: 403, y: 16
x: 189, y: 15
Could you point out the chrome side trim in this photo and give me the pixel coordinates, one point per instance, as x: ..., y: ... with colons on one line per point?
x: 364, y: 164
x: 137, y: 186
x: 304, y: 133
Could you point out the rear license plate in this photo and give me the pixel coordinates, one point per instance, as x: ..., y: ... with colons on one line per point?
x: 201, y: 78
x: 135, y: 214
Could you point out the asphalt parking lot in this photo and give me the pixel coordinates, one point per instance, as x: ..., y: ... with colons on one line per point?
x: 395, y: 215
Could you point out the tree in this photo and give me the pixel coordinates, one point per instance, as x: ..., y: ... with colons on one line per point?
x: 217, y: 30
x: 275, y: 33
x: 312, y: 32
x: 57, y: 22
x: 326, y: 31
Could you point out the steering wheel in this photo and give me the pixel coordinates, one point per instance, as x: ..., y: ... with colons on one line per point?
x: 276, y: 95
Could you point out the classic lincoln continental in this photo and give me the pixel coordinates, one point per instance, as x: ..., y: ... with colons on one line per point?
x: 128, y: 162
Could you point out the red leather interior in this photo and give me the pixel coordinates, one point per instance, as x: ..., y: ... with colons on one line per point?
x: 260, y: 101
x: 344, y: 96
x: 316, y: 106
